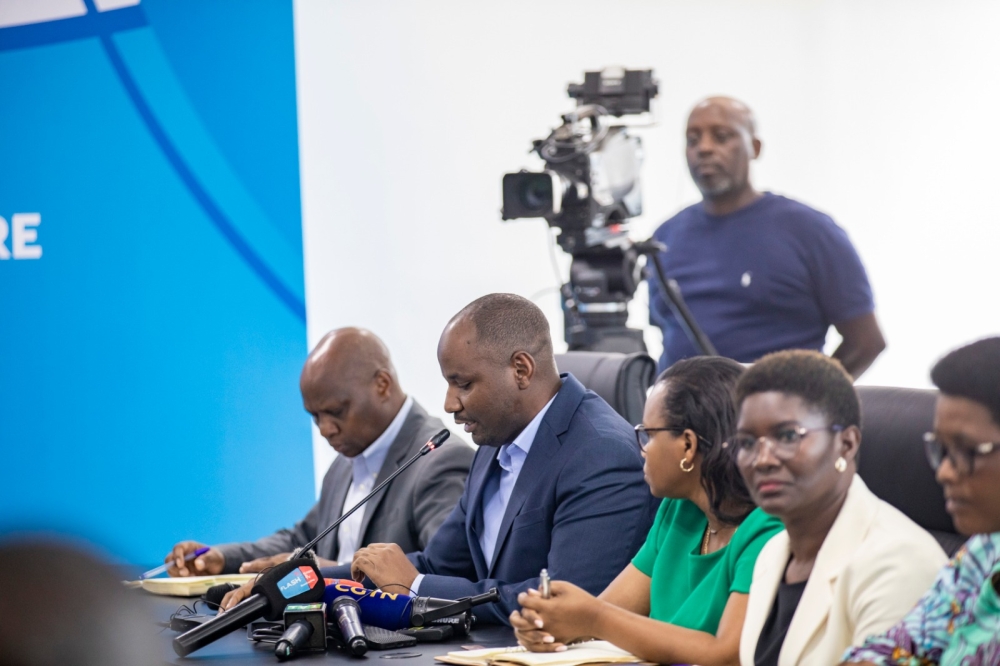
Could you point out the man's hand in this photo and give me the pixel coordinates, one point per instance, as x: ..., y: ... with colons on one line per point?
x: 234, y: 597
x: 209, y: 564
x: 239, y: 594
x: 261, y: 563
x: 568, y: 615
x: 386, y: 565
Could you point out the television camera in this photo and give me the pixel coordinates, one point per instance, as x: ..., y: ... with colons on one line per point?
x: 589, y: 190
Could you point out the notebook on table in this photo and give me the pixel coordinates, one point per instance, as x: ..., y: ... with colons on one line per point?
x: 588, y: 652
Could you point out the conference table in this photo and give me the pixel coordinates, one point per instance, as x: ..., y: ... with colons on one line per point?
x: 237, y: 649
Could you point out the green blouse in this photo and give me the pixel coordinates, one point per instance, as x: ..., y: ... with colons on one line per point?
x: 689, y: 589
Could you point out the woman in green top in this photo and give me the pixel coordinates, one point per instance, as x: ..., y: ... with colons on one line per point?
x: 683, y: 597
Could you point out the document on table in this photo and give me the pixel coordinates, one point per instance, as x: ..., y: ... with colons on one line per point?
x: 191, y: 586
x: 588, y: 652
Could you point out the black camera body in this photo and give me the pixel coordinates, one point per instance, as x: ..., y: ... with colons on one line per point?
x: 583, y: 193
x: 589, y: 190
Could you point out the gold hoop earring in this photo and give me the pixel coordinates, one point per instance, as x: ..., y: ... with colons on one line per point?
x: 840, y: 465
x: 690, y: 466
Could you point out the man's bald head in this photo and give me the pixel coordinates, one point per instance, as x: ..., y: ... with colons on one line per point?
x: 354, y: 353
x: 738, y: 112
x: 506, y: 324
x: 350, y: 388
x: 721, y: 138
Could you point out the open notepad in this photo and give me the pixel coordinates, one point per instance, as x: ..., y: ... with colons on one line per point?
x: 192, y: 586
x: 589, y: 652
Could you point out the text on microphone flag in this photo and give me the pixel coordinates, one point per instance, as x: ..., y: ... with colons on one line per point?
x: 297, y: 582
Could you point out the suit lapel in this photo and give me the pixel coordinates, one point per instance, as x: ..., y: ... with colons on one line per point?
x: 764, y: 588
x: 812, y: 613
x: 340, y: 483
x: 484, y: 465
x: 399, y: 450
x: 537, y: 465
x: 845, y: 536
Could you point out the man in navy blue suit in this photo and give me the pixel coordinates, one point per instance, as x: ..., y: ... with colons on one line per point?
x: 557, y: 482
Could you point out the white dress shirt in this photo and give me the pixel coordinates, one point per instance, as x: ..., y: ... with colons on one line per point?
x: 365, y: 468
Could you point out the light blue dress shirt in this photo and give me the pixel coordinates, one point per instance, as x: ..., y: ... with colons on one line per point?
x: 496, y: 493
x: 364, y: 470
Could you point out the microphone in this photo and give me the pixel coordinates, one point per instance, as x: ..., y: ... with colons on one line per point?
x: 305, y: 631
x: 433, y: 443
x: 379, y: 609
x: 297, y: 635
x: 348, y: 615
x: 215, y: 594
x: 401, y: 611
x: 294, y: 581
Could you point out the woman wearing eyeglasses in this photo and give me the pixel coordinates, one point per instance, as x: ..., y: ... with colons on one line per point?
x: 847, y: 564
x: 683, y: 597
x: 958, y: 620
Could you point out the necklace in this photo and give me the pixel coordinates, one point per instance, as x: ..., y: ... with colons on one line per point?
x: 704, y: 540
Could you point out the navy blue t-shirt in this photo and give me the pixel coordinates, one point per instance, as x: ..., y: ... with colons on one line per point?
x: 773, y: 275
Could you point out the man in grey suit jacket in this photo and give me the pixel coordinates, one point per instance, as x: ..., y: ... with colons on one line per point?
x: 350, y: 388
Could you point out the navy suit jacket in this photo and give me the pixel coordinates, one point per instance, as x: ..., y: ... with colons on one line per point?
x: 580, y: 508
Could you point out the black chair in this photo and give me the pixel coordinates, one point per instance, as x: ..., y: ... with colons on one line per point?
x: 892, y: 460
x: 621, y: 379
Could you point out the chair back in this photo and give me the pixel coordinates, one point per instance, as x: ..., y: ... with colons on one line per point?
x: 892, y: 460
x: 621, y: 379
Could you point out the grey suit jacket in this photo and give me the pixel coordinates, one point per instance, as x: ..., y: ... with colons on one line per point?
x: 408, y: 512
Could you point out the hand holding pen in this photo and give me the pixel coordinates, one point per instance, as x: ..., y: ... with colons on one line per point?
x: 191, y: 558
x: 555, y: 615
x: 169, y: 563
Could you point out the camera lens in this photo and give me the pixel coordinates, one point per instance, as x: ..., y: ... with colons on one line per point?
x: 536, y: 193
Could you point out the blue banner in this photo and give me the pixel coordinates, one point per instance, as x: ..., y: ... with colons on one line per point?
x: 152, y: 317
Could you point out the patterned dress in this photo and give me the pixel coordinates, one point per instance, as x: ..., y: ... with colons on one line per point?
x: 957, y: 623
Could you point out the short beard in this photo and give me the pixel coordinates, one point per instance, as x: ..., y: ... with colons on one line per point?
x: 490, y: 441
x: 498, y: 441
x: 721, y: 188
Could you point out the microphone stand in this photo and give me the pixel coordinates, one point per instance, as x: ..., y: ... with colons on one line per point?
x: 675, y: 301
x: 423, y: 613
x: 433, y: 443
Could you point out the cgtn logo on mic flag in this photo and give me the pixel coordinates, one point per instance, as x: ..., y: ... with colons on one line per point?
x: 378, y: 608
x: 339, y: 587
x: 297, y: 582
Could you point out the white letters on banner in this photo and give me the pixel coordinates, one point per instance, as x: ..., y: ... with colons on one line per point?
x: 24, y: 238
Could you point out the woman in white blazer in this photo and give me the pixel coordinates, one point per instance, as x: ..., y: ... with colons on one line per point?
x: 847, y: 564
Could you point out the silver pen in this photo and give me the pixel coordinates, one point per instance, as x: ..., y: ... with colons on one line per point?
x: 543, y: 584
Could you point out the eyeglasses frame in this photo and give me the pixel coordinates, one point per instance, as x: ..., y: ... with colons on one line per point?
x: 641, y: 428
x: 970, y: 453
x: 801, y: 430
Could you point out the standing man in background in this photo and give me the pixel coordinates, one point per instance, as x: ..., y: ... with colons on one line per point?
x: 350, y: 388
x: 760, y: 272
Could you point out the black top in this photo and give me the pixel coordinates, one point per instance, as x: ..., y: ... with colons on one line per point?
x: 772, y: 636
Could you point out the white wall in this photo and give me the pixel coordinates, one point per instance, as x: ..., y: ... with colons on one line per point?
x: 882, y: 113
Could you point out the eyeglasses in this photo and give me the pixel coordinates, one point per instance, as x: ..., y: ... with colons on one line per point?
x: 962, y: 458
x: 784, y: 441
x: 642, y: 436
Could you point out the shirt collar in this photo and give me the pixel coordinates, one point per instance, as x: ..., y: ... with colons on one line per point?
x: 369, y: 462
x: 527, y: 436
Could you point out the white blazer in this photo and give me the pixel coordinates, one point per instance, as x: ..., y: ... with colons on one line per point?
x: 871, y: 569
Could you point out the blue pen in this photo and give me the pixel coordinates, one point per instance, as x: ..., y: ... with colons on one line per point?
x: 163, y: 567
